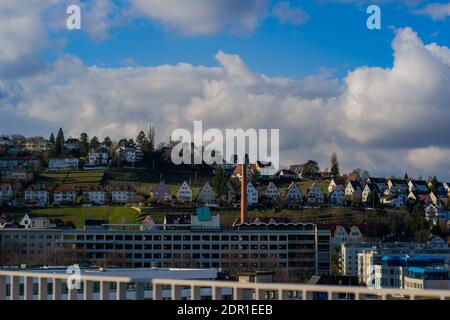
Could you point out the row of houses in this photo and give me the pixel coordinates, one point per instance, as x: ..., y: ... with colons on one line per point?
x: 389, y: 192
x: 39, y: 196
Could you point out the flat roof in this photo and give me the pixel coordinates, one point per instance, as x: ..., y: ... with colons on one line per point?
x: 115, y: 274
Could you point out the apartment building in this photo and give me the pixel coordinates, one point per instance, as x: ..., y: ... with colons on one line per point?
x: 36, y: 195
x: 296, y: 247
x: 94, y: 194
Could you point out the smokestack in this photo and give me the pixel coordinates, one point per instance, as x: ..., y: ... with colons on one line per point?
x: 244, y: 193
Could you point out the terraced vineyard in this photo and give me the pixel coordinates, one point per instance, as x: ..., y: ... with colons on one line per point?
x: 78, y: 215
x: 77, y: 178
x: 146, y: 181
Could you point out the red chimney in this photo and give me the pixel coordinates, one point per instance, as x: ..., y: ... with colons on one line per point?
x: 244, y: 193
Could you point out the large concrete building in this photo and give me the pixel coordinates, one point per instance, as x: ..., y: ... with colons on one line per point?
x: 296, y: 247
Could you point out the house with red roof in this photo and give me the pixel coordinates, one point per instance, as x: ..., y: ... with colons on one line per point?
x: 64, y: 193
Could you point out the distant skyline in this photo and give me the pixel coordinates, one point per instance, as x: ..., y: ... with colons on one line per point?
x: 379, y: 98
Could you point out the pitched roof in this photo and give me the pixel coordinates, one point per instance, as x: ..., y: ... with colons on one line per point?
x: 355, y: 184
x: 93, y: 188
x: 65, y: 188
x: 339, y: 181
x: 5, y: 186
x: 123, y: 187
x: 377, y: 180
x: 36, y: 187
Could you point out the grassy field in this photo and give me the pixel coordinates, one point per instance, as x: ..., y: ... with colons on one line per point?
x: 78, y: 215
x: 77, y: 178
x: 146, y: 181
x: 118, y: 215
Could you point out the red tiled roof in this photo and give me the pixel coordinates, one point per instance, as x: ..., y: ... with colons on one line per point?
x: 36, y: 187
x: 65, y: 188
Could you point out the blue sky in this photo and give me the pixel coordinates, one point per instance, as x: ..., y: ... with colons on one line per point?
x: 334, y: 37
x: 311, y: 69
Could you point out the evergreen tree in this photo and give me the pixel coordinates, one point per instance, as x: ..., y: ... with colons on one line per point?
x: 334, y: 165
x: 94, y: 144
x: 219, y: 182
x: 151, y: 138
x: 84, y: 143
x: 52, y: 139
x: 107, y: 141
x: 311, y: 169
x: 59, y: 142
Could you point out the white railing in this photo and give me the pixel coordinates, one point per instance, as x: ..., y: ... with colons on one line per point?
x: 285, y: 291
x: 35, y: 286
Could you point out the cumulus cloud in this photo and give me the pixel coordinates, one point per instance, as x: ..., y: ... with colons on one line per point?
x: 285, y: 13
x: 21, y: 34
x: 429, y: 157
x: 437, y: 11
x: 398, y: 106
x: 379, y: 119
x: 200, y: 17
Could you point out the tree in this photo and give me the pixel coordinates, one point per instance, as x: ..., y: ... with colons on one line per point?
x: 94, y: 144
x: 59, y: 142
x: 141, y: 139
x: 84, y: 143
x: 151, y: 138
x: 107, y: 141
x: 52, y: 139
x: 219, y: 182
x: 373, y: 199
x: 434, y: 184
x: 311, y: 169
x: 334, y: 165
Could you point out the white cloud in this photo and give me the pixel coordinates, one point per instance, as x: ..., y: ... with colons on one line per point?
x: 437, y: 11
x: 200, y: 17
x: 399, y: 106
x: 426, y: 159
x: 376, y: 119
x: 287, y: 14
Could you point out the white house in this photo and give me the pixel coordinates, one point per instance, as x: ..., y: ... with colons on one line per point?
x: 381, y: 183
x: 161, y: 193
x: 337, y: 196
x: 98, y: 158
x: 36, y: 195
x: 293, y: 193
x: 314, y: 195
x: 447, y: 186
x: 206, y: 194
x: 368, y: 189
x: 353, y: 189
x: 184, y: 194
x: 65, y: 193
x: 346, y: 234
x: 336, y: 182
x: 94, y: 194
x: 122, y: 193
x: 272, y: 191
x: 398, y: 185
x: 72, y: 144
x: 33, y: 222
x: 252, y: 194
x: 6, y: 192
x: 286, y: 174
x: 63, y: 164
x: 131, y: 155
